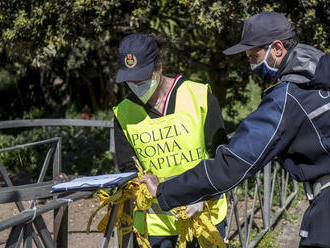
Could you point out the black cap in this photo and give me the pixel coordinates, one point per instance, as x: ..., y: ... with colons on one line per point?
x: 137, y: 54
x: 262, y: 29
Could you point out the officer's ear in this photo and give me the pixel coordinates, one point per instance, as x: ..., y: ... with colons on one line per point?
x: 278, y: 49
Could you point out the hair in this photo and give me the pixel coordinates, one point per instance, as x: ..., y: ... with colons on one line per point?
x: 158, y: 63
x: 163, y: 42
x: 290, y: 43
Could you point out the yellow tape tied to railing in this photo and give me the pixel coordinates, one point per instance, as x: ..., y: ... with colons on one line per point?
x: 199, y: 226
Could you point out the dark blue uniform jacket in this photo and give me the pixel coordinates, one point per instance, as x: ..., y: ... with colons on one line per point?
x: 292, y: 122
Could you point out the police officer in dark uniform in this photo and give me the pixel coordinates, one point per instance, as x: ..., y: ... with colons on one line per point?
x: 291, y: 122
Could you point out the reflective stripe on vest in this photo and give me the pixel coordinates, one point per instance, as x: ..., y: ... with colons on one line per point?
x: 168, y: 146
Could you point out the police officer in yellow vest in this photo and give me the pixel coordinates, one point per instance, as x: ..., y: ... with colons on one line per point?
x: 170, y: 124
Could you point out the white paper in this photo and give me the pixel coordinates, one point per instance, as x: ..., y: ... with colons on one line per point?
x: 92, y: 181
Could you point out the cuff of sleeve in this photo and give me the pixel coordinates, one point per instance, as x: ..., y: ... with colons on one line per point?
x: 161, y: 198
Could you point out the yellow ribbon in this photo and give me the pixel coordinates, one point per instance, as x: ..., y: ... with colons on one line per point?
x: 124, y: 222
x: 199, y: 226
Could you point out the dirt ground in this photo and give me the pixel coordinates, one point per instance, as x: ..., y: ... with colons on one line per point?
x: 79, y: 212
x: 289, y: 225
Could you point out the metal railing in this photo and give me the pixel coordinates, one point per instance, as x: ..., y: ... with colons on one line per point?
x: 29, y: 226
x: 30, y: 219
x: 272, y: 188
x: 262, y: 209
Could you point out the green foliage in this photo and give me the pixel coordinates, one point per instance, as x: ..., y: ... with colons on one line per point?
x: 58, y: 56
x: 85, y: 150
x: 239, y: 109
x: 290, y: 214
x: 6, y: 80
x: 268, y: 240
x: 65, y: 52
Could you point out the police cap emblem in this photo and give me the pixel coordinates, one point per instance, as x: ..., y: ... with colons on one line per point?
x: 130, y: 60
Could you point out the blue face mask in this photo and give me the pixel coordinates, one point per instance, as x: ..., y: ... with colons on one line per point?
x: 263, y: 70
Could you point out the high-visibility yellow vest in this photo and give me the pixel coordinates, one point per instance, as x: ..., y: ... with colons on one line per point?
x: 169, y: 146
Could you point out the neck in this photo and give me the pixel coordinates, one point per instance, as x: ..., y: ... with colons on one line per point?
x: 157, y: 100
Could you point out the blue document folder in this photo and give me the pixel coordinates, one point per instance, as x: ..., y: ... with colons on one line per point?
x: 94, y: 182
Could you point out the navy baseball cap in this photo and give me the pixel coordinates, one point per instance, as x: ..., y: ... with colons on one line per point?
x: 137, y: 54
x: 262, y: 29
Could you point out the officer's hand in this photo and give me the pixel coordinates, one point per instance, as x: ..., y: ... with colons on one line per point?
x: 152, y: 183
x: 194, y: 209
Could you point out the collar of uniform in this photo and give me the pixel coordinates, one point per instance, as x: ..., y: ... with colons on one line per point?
x: 167, y: 99
x: 268, y: 89
x: 171, y: 101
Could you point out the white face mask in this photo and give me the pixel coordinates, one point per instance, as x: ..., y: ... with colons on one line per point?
x: 145, y: 89
x: 263, y: 70
x: 254, y: 66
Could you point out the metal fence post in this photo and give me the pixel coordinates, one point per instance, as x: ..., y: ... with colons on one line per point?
x: 267, y: 193
x: 246, y: 185
x: 60, y: 214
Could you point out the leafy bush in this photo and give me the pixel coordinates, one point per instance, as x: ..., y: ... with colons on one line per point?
x: 85, y: 150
